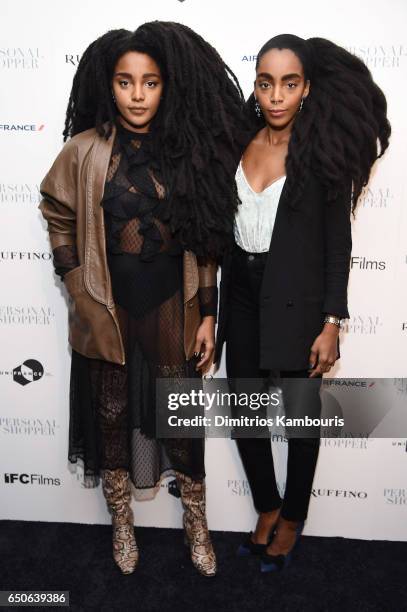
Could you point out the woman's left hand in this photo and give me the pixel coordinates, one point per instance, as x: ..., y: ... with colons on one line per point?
x: 205, y: 344
x: 324, y: 350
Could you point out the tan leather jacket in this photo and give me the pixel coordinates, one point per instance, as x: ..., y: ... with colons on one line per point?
x: 72, y: 192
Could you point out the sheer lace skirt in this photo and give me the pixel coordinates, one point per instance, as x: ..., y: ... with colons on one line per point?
x: 113, y: 407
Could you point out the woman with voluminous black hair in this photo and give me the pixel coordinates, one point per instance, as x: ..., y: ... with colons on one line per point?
x: 140, y: 205
x: 317, y: 123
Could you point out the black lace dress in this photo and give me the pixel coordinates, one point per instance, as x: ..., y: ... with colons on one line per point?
x: 112, y: 407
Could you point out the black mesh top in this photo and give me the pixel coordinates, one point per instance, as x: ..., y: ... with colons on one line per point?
x: 137, y: 224
x: 134, y: 188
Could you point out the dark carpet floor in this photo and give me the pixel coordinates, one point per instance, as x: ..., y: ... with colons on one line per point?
x: 327, y: 574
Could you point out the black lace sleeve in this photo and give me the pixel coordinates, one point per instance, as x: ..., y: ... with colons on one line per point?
x: 65, y: 258
x: 208, y: 301
x: 208, y: 289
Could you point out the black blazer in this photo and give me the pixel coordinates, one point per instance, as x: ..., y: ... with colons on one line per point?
x: 305, y: 276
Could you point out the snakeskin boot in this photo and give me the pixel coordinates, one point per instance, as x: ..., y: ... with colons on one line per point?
x: 116, y: 489
x: 195, y: 524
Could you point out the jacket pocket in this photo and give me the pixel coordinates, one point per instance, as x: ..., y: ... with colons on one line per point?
x: 92, y: 328
x: 74, y: 281
x: 80, y: 311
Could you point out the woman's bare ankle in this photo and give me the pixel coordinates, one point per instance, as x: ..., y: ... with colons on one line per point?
x: 265, y: 524
x: 284, y: 538
x: 285, y: 524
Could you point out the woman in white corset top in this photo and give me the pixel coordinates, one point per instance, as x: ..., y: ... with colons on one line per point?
x: 315, y: 118
x: 256, y: 216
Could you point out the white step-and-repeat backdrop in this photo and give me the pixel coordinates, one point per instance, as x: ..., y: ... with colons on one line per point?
x: 360, y: 488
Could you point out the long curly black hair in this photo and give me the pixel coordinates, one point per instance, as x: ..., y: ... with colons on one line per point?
x: 195, y: 131
x: 342, y: 128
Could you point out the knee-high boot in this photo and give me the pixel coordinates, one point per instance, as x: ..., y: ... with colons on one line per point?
x: 116, y: 489
x: 195, y: 524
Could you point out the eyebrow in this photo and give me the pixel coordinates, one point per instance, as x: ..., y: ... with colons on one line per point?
x: 147, y: 74
x: 286, y: 77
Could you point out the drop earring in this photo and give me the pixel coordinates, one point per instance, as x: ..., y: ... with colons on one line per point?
x: 257, y: 109
x: 301, y: 105
x: 113, y: 98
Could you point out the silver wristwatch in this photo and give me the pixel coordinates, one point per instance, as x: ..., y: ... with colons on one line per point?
x: 332, y: 319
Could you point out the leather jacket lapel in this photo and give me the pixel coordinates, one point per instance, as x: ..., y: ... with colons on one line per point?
x: 97, y: 280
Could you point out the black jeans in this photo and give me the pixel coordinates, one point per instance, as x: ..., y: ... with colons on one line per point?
x: 242, y: 361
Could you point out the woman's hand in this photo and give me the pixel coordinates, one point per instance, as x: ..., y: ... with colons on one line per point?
x: 324, y: 350
x: 205, y: 344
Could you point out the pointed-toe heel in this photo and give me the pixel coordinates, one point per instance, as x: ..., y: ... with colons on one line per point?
x: 278, y: 563
x: 274, y: 563
x: 248, y: 548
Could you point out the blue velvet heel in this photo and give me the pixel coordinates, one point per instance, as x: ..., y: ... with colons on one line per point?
x: 248, y: 548
x: 278, y: 563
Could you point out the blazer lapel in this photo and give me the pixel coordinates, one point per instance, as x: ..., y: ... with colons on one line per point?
x: 282, y: 203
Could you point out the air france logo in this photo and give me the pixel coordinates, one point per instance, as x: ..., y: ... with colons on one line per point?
x: 29, y: 371
x: 22, y: 127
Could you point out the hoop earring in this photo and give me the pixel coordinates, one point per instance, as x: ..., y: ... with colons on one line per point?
x: 257, y: 109
x: 301, y: 105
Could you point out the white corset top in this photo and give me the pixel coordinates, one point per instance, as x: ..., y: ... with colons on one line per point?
x: 255, y: 217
